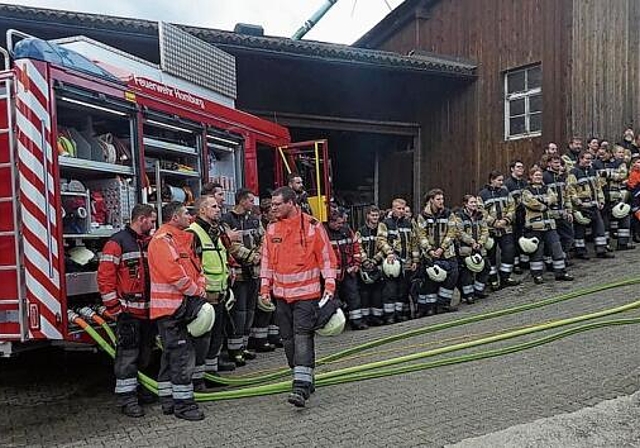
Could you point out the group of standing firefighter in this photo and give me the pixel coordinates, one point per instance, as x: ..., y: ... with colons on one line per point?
x: 276, y: 278
x: 251, y: 278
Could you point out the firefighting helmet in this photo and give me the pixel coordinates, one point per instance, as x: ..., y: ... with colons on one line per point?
x: 266, y: 306
x: 81, y: 255
x: 475, y: 263
x: 393, y: 269
x: 203, y: 321
x: 335, y: 324
x: 436, y: 273
x: 581, y: 218
x: 528, y: 245
x: 620, y: 210
x: 490, y: 243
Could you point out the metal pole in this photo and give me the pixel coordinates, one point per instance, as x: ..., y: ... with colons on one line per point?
x: 314, y: 19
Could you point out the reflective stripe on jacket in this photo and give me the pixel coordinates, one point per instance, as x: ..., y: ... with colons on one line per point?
x: 537, y: 201
x: 296, y: 251
x: 123, y: 273
x: 175, y: 270
x: 214, y: 260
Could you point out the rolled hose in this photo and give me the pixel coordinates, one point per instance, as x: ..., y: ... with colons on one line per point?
x: 380, y: 368
x: 250, y: 380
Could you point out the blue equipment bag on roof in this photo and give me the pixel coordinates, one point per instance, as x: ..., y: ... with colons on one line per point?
x: 42, y: 50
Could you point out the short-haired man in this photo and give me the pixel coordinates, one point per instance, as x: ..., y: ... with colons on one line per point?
x: 211, y: 245
x: 555, y: 178
x: 371, y: 258
x: 123, y: 282
x: 587, y: 198
x: 176, y: 283
x: 516, y: 183
x: 302, y: 199
x: 246, y: 268
x: 214, y: 189
x: 295, y: 254
x: 395, y: 242
x: 347, y: 251
x: 570, y: 157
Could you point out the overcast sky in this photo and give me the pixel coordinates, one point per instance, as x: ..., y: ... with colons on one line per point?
x: 344, y: 23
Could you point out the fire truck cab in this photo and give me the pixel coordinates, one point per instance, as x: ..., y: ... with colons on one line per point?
x: 86, y: 132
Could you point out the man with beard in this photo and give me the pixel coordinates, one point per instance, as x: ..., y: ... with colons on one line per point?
x: 123, y: 282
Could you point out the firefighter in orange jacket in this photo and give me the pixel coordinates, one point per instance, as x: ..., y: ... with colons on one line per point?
x: 123, y: 282
x: 176, y: 282
x: 296, y: 252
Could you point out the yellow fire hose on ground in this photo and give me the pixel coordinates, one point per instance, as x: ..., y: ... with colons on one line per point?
x: 393, y: 366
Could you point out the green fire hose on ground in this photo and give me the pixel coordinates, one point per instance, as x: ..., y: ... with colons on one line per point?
x: 392, y: 366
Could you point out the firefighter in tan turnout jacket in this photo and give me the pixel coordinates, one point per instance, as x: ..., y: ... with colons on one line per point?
x: 394, y: 240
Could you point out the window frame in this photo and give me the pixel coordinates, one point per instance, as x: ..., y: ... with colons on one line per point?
x: 526, y: 94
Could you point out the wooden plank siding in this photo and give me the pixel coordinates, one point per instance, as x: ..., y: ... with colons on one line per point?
x: 604, y: 67
x: 463, y: 129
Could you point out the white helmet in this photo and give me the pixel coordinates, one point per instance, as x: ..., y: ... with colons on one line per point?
x: 334, y: 326
x: 581, y: 218
x: 436, y: 273
x: 490, y: 243
x: 620, y: 210
x: 475, y: 263
x: 266, y: 306
x: 392, y: 269
x: 203, y: 322
x: 81, y: 255
x: 528, y: 245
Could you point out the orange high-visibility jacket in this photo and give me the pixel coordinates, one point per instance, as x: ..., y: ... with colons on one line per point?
x: 174, y: 270
x: 294, y: 254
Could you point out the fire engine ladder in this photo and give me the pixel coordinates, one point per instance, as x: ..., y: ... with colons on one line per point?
x: 12, y: 305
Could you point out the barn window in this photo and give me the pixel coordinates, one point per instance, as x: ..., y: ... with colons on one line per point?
x: 523, y: 102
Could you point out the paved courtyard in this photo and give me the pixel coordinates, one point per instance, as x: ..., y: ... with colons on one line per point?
x: 49, y: 398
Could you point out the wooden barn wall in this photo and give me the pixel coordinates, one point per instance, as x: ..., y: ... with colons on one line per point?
x: 604, y: 57
x: 463, y: 128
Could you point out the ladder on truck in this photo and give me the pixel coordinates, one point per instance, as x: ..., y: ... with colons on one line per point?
x: 12, y: 293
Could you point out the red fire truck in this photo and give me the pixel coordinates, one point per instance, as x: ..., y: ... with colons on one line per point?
x: 82, y: 139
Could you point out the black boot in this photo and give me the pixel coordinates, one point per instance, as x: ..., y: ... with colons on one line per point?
x: 565, y: 277
x: 605, y: 255
x: 188, y: 410
x: 509, y: 281
x: 297, y: 398
x: 224, y: 366
x: 538, y: 280
x: 133, y: 409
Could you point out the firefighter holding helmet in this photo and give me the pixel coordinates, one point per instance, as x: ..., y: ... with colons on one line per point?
x: 177, y: 295
x: 394, y: 240
x: 473, y: 233
x: 296, y: 253
x: 370, y: 282
x: 540, y: 228
x: 435, y: 232
x: 123, y: 282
